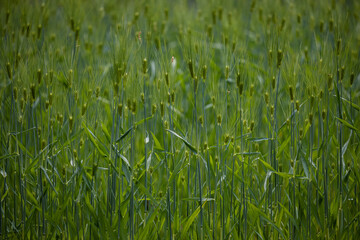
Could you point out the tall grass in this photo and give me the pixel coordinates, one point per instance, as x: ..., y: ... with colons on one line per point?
x: 179, y: 120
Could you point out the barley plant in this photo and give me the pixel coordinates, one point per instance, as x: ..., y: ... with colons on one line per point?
x: 189, y: 119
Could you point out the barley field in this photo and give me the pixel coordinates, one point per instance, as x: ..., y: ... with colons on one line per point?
x: 180, y: 119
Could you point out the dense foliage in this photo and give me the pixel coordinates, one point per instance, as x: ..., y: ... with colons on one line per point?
x: 180, y: 119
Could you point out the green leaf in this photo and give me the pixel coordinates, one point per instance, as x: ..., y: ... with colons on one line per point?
x: 157, y: 143
x: 102, y: 150
x: 189, y: 221
x: 192, y: 148
x: 124, y: 135
x: 347, y: 124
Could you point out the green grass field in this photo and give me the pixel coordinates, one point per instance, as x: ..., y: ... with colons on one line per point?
x: 180, y: 119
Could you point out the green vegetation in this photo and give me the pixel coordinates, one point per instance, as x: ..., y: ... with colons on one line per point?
x: 180, y: 119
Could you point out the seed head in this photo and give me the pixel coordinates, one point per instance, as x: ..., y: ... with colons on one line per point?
x: 39, y: 31
x: 32, y: 90
x: 291, y: 91
x: 133, y: 106
x: 266, y: 96
x: 252, y: 125
x: 321, y: 26
x: 213, y: 101
x: 15, y: 93
x: 196, y: 83
x: 226, y: 138
x: 227, y: 69
x: 310, y: 118
x: 270, y: 56
x: 77, y: 34
x: 201, y: 120
x: 352, y: 76
x: 205, y: 146
x: 204, y: 70
x: 273, y: 81
x: 251, y: 90
x: 97, y: 92
x: 144, y: 66
x: 338, y: 46
x: 279, y: 57
x: 120, y: 109
x: 342, y: 73
x: 142, y: 96
x: 191, y: 68
x: 241, y: 87
x: 312, y: 100
x: 167, y: 79
x: 173, y: 97
x: 71, y: 122
x: 8, y: 69
x: 162, y: 109
x: 323, y: 114
x: 330, y: 79
x: 83, y: 109
x: 153, y: 109
x: 219, y: 119
x: 238, y: 79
